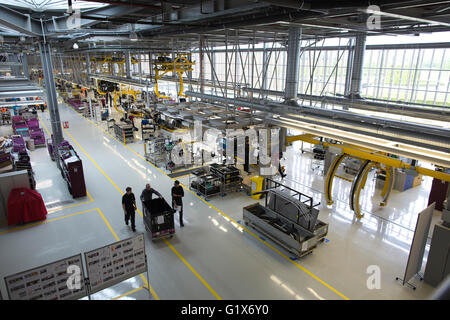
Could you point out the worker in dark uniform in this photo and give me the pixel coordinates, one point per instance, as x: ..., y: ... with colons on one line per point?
x: 129, y: 207
x: 177, y: 199
x: 147, y: 194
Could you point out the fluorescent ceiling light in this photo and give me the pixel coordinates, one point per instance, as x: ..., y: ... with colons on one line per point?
x: 399, y: 16
x: 133, y: 36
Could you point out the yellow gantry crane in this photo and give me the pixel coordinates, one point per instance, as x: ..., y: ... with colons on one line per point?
x: 163, y: 64
x: 110, y: 61
x: 370, y: 159
x: 124, y: 89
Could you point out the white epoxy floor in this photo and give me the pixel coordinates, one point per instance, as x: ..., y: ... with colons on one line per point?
x: 213, y: 257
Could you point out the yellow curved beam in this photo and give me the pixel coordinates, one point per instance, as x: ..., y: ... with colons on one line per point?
x: 377, y: 157
x: 330, y: 177
x: 179, y: 65
x: 358, y: 185
x: 130, y: 92
x: 98, y: 90
x: 386, y: 181
x: 157, y: 77
x: 116, y: 94
x: 388, y: 185
x: 180, y: 92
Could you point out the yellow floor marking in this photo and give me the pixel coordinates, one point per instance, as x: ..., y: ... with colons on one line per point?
x: 72, y: 205
x: 93, y: 161
x: 225, y: 215
x: 45, y: 127
x: 193, y: 270
x: 147, y: 285
x: 128, y: 293
x: 186, y: 169
x: 117, y: 239
x: 121, y: 192
x: 183, y: 176
x: 44, y: 221
x: 108, y: 225
x: 280, y: 253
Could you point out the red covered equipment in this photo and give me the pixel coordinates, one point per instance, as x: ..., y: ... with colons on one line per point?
x: 25, y: 205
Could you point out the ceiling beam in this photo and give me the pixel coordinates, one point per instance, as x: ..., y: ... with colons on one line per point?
x: 19, y: 22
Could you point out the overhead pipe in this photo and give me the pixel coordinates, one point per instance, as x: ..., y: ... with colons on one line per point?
x: 293, y: 63
x: 418, y: 135
x: 279, y: 108
x: 388, y: 148
x: 357, y: 65
x: 420, y: 139
x: 239, y: 22
x: 128, y: 4
x: 426, y: 112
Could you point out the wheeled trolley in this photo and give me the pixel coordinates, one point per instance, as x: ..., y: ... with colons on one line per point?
x: 288, y: 218
x: 158, y: 218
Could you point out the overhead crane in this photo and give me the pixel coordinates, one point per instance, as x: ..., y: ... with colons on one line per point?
x: 164, y: 64
x: 123, y: 89
x: 110, y: 61
x: 370, y: 158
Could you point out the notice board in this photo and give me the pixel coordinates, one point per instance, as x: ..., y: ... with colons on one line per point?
x: 48, y: 282
x: 116, y: 262
x: 419, y: 242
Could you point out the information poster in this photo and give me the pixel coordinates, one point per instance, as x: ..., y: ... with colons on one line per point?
x: 116, y: 262
x: 98, y: 113
x: 48, y: 282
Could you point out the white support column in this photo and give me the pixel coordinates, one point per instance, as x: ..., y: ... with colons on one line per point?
x: 128, y: 64
x: 50, y: 89
x: 293, y: 63
x: 26, y: 72
x: 357, y: 65
x: 202, y: 64
x: 88, y: 67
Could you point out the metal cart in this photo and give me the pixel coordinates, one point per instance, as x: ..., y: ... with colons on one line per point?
x: 158, y: 218
x: 288, y: 218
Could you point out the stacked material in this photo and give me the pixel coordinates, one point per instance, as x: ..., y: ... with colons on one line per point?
x: 19, y: 125
x: 5, y: 159
x: 36, y: 133
x: 18, y: 143
x: 76, y: 103
x: 21, y: 161
x: 38, y: 136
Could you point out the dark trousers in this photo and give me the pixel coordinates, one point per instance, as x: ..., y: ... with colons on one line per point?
x: 130, y: 215
x: 181, y: 210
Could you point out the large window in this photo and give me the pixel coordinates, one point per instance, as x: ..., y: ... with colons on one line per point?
x: 407, y: 75
x: 323, y: 71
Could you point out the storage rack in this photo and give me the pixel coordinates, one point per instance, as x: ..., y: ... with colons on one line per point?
x: 148, y: 129
x: 72, y: 170
x: 156, y: 152
x: 206, y: 184
x: 217, y: 179
x: 6, y: 118
x: 21, y: 161
x: 87, y: 111
x: 124, y: 132
x: 230, y: 177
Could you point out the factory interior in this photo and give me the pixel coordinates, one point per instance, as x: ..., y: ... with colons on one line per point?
x: 295, y: 150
